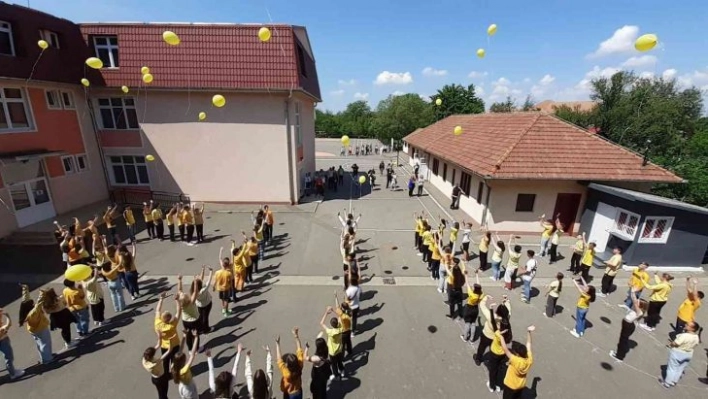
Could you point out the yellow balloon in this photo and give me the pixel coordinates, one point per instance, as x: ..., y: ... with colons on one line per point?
x: 458, y: 130
x: 149, y: 158
x: 78, y: 273
x: 144, y: 70
x: 202, y: 116
x: 125, y: 89
x: 94, y: 63
x: 492, y: 29
x: 646, y: 42
x: 218, y: 100
x: 85, y: 82
x: 170, y: 38
x: 438, y: 102
x: 481, y: 53
x: 264, y: 34
x: 345, y: 139
x: 147, y: 78
x: 43, y: 44
x: 362, y: 179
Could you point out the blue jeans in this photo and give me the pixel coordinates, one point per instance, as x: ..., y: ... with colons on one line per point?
x: 43, y: 340
x: 116, y: 290
x: 131, y: 232
x: 132, y: 279
x: 495, y: 269
x: 297, y: 395
x: 82, y: 320
x: 580, y: 315
x: 261, y: 249
x: 442, y: 282
x: 544, y: 245
x: 527, y: 287
x: 6, y: 350
x: 678, y: 360
x: 628, y: 301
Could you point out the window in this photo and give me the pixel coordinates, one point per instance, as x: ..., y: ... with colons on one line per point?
x: 128, y: 170
x: 480, y: 192
x: 301, y: 61
x: 298, y: 129
x: 436, y: 166
x: 53, y: 101
x: 444, y: 176
x: 67, y: 100
x: 465, y: 182
x: 525, y: 202
x: 7, y: 46
x: 50, y: 37
x: 625, y: 224
x: 118, y: 113
x: 14, y: 110
x: 656, y: 229
x: 107, y: 50
x: 82, y: 162
x: 453, y: 176
x: 69, y: 164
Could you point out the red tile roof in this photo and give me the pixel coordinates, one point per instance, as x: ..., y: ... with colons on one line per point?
x: 210, y: 56
x: 533, y: 145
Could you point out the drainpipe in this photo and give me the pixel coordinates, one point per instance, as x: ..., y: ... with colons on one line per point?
x: 290, y: 139
x: 486, y: 201
x: 101, y: 154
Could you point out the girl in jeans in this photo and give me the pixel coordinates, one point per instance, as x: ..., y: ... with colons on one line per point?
x: 527, y: 275
x: 115, y: 288
x: 6, y: 347
x: 37, y: 325
x: 59, y: 316
x: 127, y: 262
x: 497, y: 257
x: 681, y: 353
x: 587, y: 295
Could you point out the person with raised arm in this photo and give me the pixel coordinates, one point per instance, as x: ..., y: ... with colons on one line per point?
x: 190, y: 312
x: 203, y: 300
x: 149, y: 222
x: 334, y: 343
x: 155, y: 365
x: 587, y: 296
x: 32, y: 314
x: 109, y: 218
x: 629, y: 324
x: 223, y: 386
x: 224, y: 283
x: 166, y: 326
x: 687, y: 309
x: 260, y: 383
x: 471, y: 310
x: 199, y: 221
x: 497, y: 257
x: 290, y: 366
x: 182, y: 370
x: 520, y: 362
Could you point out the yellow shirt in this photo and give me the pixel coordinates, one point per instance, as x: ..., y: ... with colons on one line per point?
x: 187, y: 218
x: 638, y: 279
x: 334, y: 340
x: 198, y: 217
x: 556, y: 237
x: 687, y: 310
x: 554, y: 286
x: 547, y: 230
x: 613, y: 265
x: 36, y: 320
x: 484, y: 244
x: 472, y: 298
x: 170, y: 218
x: 75, y: 299
x: 497, y: 256
x: 579, y: 247
x: 514, y: 258
x: 156, y: 215
x: 146, y: 215
x: 436, y: 252
x: 269, y: 217
x: 584, y: 301
x: 288, y: 383
x: 168, y: 332
x: 259, y: 234
x: 110, y: 275
x: 419, y: 226
x: 185, y: 375
x: 453, y: 234
x: 517, y: 372
x: 427, y: 238
x: 129, y: 218
x: 252, y: 248
x: 496, y: 344
x: 344, y: 320
x: 660, y: 290
x: 588, y: 257
x: 223, y: 279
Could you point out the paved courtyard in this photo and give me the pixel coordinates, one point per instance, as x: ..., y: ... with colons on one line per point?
x: 406, y: 347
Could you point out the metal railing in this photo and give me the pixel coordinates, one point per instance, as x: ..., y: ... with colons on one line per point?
x: 125, y: 196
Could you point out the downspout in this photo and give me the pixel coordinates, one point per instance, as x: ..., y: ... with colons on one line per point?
x: 289, y: 131
x: 101, y: 154
x: 486, y: 201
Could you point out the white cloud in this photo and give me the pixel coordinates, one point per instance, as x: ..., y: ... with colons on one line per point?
x: 336, y: 92
x: 696, y: 78
x: 527, y: 80
x: 350, y: 82
x: 669, y: 74
x: 424, y: 98
x: 546, y: 80
x: 361, y: 96
x: 477, y: 75
x: 622, y: 41
x: 503, y: 88
x: 398, y: 93
x: 386, y: 77
x: 646, y: 75
x: 642, y: 61
x: 479, y: 91
x: 595, y: 73
x: 501, y: 82
x: 430, y: 72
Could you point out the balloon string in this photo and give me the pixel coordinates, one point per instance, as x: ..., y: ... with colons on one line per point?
x: 282, y: 49
x: 34, y: 66
x: 189, y: 94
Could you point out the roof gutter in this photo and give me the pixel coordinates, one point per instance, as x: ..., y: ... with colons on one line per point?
x: 486, y: 200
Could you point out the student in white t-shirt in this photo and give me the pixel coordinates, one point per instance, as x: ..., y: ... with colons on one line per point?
x: 527, y: 274
x: 353, y: 294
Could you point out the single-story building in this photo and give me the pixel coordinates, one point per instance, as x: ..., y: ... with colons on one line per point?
x: 648, y: 228
x: 514, y: 167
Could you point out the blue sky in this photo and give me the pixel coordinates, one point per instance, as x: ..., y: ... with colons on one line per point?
x: 549, y: 49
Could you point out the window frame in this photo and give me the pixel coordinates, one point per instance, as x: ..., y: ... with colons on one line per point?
x: 300, y: 52
x: 519, y: 196
x: 453, y: 176
x: 73, y: 168
x: 465, y: 182
x: 135, y: 164
x: 57, y: 99
x: 86, y: 167
x: 480, y: 192
x: 51, y: 37
x: 664, y: 237
x: 444, y: 174
x: 112, y: 64
x: 72, y: 104
x: 621, y: 232
x: 8, y: 30
x: 24, y: 100
x: 124, y: 113
x: 436, y: 166
x: 298, y: 123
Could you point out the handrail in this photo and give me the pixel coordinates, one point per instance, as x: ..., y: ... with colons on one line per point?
x: 126, y: 196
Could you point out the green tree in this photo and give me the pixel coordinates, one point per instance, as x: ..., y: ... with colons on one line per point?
x: 529, y: 104
x: 327, y: 124
x: 356, y: 119
x: 576, y: 116
x: 456, y: 99
x: 507, y: 105
x: 398, y: 116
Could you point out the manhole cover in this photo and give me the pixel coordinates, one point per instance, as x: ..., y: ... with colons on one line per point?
x: 393, y: 248
x: 404, y: 267
x: 389, y: 281
x: 388, y: 271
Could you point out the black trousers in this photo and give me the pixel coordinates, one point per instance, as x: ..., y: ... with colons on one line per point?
x: 554, y: 252
x: 204, y: 318
x: 337, y: 363
x: 482, y: 260
x: 171, y: 228
x: 190, y: 232
x: 585, y: 271
x: 355, y: 318
x: 454, y: 298
x: 181, y: 231
x: 269, y: 227
x: 551, y: 305
x: 410, y: 191
x: 654, y: 312
x: 417, y: 241
x: 200, y: 232
x: 97, y: 311
x: 347, y: 342
x: 575, y: 263
x: 606, y: 285
x: 249, y: 273
x: 454, y: 203
x: 150, y: 226
x: 162, y: 384
x: 484, y: 343
x: 168, y: 360
x: 623, y: 344
x: 434, y: 266
x: 495, y: 370
x: 509, y: 393
x: 160, y: 230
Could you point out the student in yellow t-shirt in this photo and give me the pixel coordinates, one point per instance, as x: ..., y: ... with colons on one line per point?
x: 37, y: 322
x: 239, y: 264
x: 223, y: 284
x: 334, y: 342
x: 147, y: 216
x: 165, y: 325
x: 547, y: 226
x: 109, y: 219
x: 612, y: 266
x: 75, y: 298
x: 290, y: 366
x: 199, y: 221
x: 578, y: 249
x: 426, y: 239
x: 156, y: 215
x: 453, y: 236
x: 520, y: 362
x: 502, y: 331
x: 687, y: 309
x: 171, y: 221
x: 587, y: 260
x: 129, y: 222
x: 435, y: 256
x: 470, y: 313
x: 418, y: 243
x: 344, y: 312
x: 181, y: 227
x: 636, y: 284
x: 188, y: 221
x: 587, y: 296
x: 660, y: 294
x: 484, y: 249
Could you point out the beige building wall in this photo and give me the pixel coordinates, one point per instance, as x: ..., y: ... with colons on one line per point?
x: 468, y: 203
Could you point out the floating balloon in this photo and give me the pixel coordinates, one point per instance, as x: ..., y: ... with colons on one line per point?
x: 481, y: 53
x: 264, y: 34
x: 202, y: 116
x: 438, y: 102
x: 144, y: 70
x: 43, y: 44
x: 646, y: 42
x: 458, y: 130
x: 170, y: 38
x: 125, y: 89
x: 78, y: 273
x: 492, y: 29
x: 149, y: 158
x: 218, y: 100
x: 147, y: 78
x: 362, y: 179
x: 345, y: 140
x: 94, y: 63
x: 85, y: 82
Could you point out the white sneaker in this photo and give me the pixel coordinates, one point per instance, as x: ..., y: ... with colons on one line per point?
x: 440, y: 291
x: 574, y: 333
x: 353, y: 335
x: 462, y: 337
x: 492, y: 278
x: 600, y: 294
x: 490, y: 388
x: 621, y: 305
x: 419, y: 254
x: 18, y: 374
x: 613, y: 354
x: 341, y: 375
x: 544, y: 314
x: 497, y: 389
x: 645, y: 327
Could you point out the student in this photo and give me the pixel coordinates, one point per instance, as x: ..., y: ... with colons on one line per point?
x: 455, y: 282
x: 203, y: 300
x: 109, y: 271
x: 37, y: 322
x: 411, y: 186
x: 260, y: 383
x: 454, y: 230
x: 270, y: 219
x: 166, y: 326
x: 223, y: 386
x: 629, y: 321
x: 353, y: 294
x: 497, y: 257
x: 126, y: 259
x: 660, y: 294
x: 611, y: 268
x: 321, y: 370
x: 157, y: 217
x: 512, y: 264
x: 503, y: 311
x: 109, y: 219
x: 547, y: 226
x: 680, y: 354
x: 199, y: 221
x: 418, y: 232
x: 587, y: 296
x: 484, y: 249
x: 435, y: 257
x: 258, y: 235
x: 466, y: 240
x: 345, y: 320
x: 94, y: 295
x: 188, y: 221
x: 290, y: 366
x: 252, y: 254
x: 427, y: 239
x: 687, y: 309
x: 554, y: 290
x: 420, y: 183
x: 76, y: 303
x: 149, y: 222
x: 239, y: 263
x: 471, y: 311
x: 190, y: 312
x: 588, y: 259
x: 578, y: 250
x: 639, y: 278
x: 223, y: 284
x: 555, y: 240
x: 129, y: 222
x: 527, y: 273
x: 456, y: 192
x: 171, y: 221
x: 182, y: 371
x: 6, y: 347
x: 520, y: 362
x: 154, y: 364
x: 502, y: 331
x: 59, y: 316
x: 446, y: 261
x: 334, y: 343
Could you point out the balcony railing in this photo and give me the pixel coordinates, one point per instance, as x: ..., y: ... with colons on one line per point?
x: 125, y: 196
